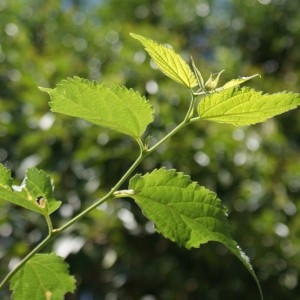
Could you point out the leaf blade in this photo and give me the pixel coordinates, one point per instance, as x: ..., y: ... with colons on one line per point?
x: 35, y: 187
x: 238, y: 81
x: 117, y: 108
x: 169, y: 62
x: 179, y: 201
x: 245, y: 106
x: 45, y: 276
x: 184, y: 212
x: 5, y: 176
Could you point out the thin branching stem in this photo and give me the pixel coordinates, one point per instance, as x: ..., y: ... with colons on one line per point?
x: 41, y: 245
x: 144, y: 152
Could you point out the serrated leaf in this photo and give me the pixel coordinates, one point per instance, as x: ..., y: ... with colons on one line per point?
x: 245, y: 106
x: 5, y: 177
x: 183, y: 211
x: 44, y: 277
x: 169, y: 62
x: 35, y: 192
x: 117, y: 108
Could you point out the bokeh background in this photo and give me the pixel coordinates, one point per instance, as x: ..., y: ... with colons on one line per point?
x: 114, y: 252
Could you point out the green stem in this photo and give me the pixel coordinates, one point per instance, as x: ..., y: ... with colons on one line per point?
x: 186, y: 121
x: 49, y: 224
x: 106, y: 197
x: 144, y: 152
x: 54, y: 232
x: 170, y: 134
x: 41, y: 245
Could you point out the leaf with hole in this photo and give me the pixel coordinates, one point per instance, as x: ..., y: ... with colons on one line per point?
x: 35, y: 192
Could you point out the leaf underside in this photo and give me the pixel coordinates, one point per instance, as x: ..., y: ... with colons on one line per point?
x: 44, y: 277
x: 35, y: 192
x: 245, y: 106
x: 169, y: 62
x: 184, y: 212
x: 115, y: 107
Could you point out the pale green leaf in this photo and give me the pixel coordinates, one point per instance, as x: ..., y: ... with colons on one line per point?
x: 44, y: 277
x: 245, y: 106
x: 169, y: 62
x: 235, y: 82
x: 5, y: 177
x: 199, y: 76
x: 117, y: 108
x: 35, y: 192
x: 183, y: 211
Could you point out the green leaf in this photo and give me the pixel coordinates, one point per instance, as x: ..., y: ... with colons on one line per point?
x: 245, y: 106
x: 199, y: 76
x: 169, y: 62
x: 35, y: 192
x: 5, y: 177
x: 235, y: 82
x: 44, y: 277
x: 117, y: 108
x: 183, y: 211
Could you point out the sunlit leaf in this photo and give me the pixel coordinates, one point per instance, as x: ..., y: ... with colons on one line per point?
x: 44, y: 277
x: 35, y: 192
x: 5, y: 177
x: 169, y: 62
x: 117, y: 108
x: 183, y: 211
x: 235, y: 82
x: 245, y: 106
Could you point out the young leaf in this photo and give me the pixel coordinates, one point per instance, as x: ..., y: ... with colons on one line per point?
x: 245, y: 106
x: 35, y: 192
x: 117, y: 108
x: 199, y: 76
x: 213, y: 80
x: 44, y: 277
x: 235, y: 82
x: 169, y: 62
x: 183, y: 211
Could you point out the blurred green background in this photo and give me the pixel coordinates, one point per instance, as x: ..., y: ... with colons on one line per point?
x: 114, y: 252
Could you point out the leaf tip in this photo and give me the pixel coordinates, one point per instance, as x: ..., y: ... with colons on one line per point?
x: 43, y: 89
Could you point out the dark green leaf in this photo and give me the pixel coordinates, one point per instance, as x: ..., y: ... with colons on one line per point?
x: 183, y: 211
x: 44, y: 277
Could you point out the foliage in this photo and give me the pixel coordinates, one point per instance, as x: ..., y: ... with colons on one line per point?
x: 181, y: 210
x: 43, y: 277
x: 35, y: 193
x: 254, y: 170
x: 127, y: 112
